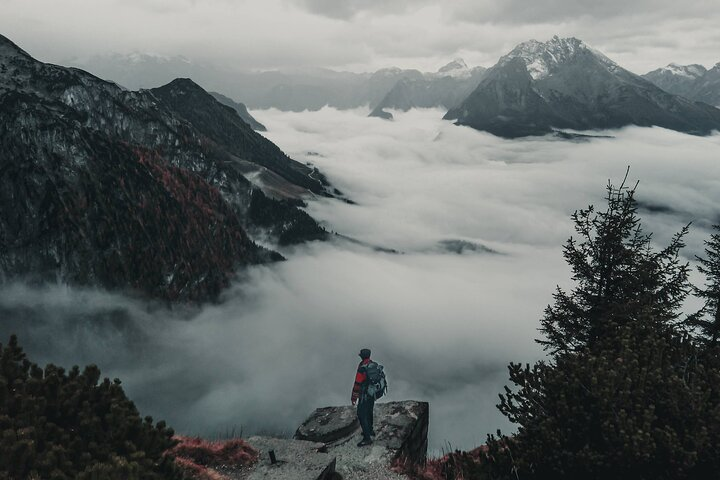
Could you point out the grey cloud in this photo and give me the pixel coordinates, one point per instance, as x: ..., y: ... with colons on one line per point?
x: 158, y: 6
x: 269, y: 34
x: 558, y: 11
x: 515, y: 11
x: 348, y: 8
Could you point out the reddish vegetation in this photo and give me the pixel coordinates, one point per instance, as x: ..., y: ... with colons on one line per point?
x: 158, y: 229
x: 200, y: 458
x: 452, y: 466
x: 198, y: 472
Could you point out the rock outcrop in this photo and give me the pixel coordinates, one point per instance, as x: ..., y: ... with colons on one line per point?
x: 401, y: 428
x: 324, y: 446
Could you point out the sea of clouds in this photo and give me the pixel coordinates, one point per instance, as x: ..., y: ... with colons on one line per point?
x: 284, y: 339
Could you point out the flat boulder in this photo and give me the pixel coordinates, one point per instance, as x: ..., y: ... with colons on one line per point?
x: 401, y: 429
x: 328, y: 424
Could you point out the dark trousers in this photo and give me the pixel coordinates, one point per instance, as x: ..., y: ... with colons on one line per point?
x: 365, y: 416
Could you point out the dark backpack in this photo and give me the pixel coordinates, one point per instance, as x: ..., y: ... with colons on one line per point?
x: 377, y: 383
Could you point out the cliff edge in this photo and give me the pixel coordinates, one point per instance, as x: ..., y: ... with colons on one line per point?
x: 324, y: 446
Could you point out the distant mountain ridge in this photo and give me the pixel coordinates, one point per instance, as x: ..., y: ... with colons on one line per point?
x: 241, y: 110
x: 295, y: 89
x: 565, y: 84
x: 692, y: 81
x: 455, y: 68
x: 446, y: 88
x: 301, y: 89
x: 146, y: 191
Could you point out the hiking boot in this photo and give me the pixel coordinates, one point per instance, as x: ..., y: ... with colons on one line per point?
x: 364, y: 442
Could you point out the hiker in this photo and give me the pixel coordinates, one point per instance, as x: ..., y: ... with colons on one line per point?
x: 365, y: 401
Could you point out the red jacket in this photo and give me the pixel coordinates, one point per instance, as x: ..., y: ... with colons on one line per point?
x: 360, y: 378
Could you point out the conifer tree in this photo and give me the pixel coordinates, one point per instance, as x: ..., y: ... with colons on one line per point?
x: 707, y: 321
x: 622, y: 393
x: 617, y: 274
x: 70, y: 425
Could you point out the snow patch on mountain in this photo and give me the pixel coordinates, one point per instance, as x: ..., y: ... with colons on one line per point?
x: 541, y: 58
x: 456, y: 69
x: 689, y: 71
x: 388, y: 72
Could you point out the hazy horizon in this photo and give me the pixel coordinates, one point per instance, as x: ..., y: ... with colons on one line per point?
x: 360, y: 36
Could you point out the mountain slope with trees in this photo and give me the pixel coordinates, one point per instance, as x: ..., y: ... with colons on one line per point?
x: 143, y: 191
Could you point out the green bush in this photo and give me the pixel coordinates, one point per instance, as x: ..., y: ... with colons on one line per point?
x: 70, y: 425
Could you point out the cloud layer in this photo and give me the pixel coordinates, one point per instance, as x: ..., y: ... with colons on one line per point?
x: 262, y: 34
x: 445, y: 325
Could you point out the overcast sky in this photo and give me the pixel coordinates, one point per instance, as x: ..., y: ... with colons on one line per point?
x: 362, y: 35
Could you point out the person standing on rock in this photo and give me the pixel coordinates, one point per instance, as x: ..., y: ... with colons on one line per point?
x: 365, y: 402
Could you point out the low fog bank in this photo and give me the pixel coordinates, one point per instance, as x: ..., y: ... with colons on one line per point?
x: 419, y: 179
x: 284, y: 340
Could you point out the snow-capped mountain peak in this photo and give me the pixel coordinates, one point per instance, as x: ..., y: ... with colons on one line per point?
x: 388, y: 72
x: 564, y: 83
x: 690, y: 71
x: 148, y: 57
x: 541, y: 58
x: 456, y: 68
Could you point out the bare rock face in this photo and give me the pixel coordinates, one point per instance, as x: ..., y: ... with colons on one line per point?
x: 401, y: 428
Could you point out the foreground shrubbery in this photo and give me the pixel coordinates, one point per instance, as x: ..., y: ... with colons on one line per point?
x: 630, y: 388
x: 70, y: 425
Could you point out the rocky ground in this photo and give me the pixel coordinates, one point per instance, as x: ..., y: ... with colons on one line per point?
x: 324, y: 446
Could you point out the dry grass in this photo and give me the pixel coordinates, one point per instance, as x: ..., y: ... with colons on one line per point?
x: 202, y: 458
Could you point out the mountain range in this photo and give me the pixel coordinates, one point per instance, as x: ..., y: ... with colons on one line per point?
x: 536, y: 88
x: 692, y: 81
x: 159, y: 192
x: 166, y: 191
x: 446, y: 88
x: 563, y: 83
x: 293, y: 89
